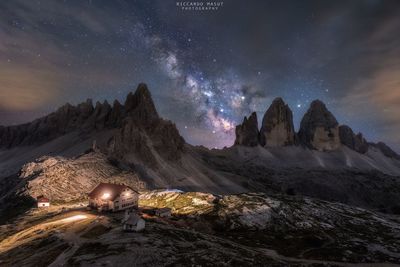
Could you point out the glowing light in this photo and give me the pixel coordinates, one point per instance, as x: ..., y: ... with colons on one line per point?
x: 106, y: 195
x: 74, y: 218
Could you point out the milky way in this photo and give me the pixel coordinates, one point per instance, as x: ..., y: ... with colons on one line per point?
x: 206, y: 69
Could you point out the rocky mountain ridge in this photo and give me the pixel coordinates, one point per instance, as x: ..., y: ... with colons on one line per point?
x: 319, y: 130
x: 138, y: 109
x: 139, y: 129
x: 277, y: 125
x: 139, y: 124
x: 133, y: 137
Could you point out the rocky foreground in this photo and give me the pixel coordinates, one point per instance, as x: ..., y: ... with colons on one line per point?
x: 293, y: 226
x: 250, y: 229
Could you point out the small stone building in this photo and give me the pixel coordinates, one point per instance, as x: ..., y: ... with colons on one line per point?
x: 133, y: 222
x: 42, y: 202
x: 113, y: 197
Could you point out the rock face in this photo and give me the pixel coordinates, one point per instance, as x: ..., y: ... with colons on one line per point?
x: 247, y: 132
x: 140, y: 106
x: 66, y: 119
x: 319, y: 129
x: 144, y: 133
x: 277, y: 126
x: 116, y: 115
x: 351, y: 140
x: 65, y: 179
x: 140, y: 129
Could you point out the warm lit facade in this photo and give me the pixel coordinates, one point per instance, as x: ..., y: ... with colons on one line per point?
x: 42, y: 202
x: 113, y: 197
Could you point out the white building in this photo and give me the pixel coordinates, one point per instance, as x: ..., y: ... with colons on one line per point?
x: 133, y: 222
x: 113, y: 197
x: 42, y: 202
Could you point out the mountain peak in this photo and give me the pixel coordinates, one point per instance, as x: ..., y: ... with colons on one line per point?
x: 317, y: 104
x: 354, y: 141
x: 277, y: 125
x: 143, y: 90
x: 140, y: 105
x: 247, y: 132
x: 278, y: 101
x: 319, y: 128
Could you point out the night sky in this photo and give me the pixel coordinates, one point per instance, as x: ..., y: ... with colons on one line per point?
x: 206, y: 69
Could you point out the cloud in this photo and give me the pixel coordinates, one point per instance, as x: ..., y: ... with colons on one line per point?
x: 25, y: 89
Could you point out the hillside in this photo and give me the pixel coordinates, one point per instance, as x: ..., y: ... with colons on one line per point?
x: 132, y: 138
x: 320, y: 196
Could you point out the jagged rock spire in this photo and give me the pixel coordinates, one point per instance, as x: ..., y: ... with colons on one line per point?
x: 140, y: 105
x: 247, y: 132
x: 277, y: 125
x: 319, y: 129
x: 351, y: 140
x: 116, y: 115
x: 83, y: 117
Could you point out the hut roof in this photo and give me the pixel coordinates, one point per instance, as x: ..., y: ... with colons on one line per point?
x: 114, y: 190
x: 42, y: 199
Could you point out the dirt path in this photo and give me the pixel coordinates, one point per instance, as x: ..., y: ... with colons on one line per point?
x: 76, y: 241
x: 41, y: 230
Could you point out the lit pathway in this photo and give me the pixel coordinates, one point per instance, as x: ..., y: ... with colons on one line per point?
x: 41, y: 230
